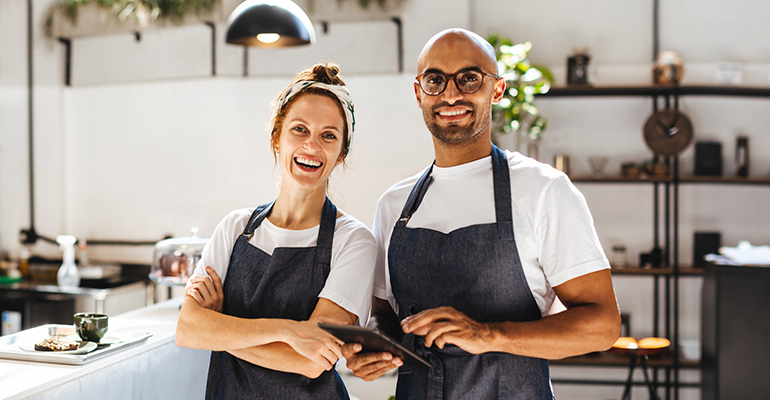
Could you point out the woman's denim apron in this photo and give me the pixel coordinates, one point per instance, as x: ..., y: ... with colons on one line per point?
x: 476, y: 270
x: 284, y: 285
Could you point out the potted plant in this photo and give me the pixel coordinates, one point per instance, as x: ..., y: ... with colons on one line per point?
x: 515, y: 113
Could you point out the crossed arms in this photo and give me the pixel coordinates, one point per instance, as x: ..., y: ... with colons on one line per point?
x: 299, y: 347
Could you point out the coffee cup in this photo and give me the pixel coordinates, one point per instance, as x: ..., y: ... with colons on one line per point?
x: 91, y: 327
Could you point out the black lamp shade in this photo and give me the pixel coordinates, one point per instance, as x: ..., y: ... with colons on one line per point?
x: 281, y: 17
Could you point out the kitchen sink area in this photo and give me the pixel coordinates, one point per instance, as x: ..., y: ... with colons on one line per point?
x: 39, y: 300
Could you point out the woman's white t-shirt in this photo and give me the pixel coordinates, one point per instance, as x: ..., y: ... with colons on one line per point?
x: 349, y: 283
x: 552, y: 225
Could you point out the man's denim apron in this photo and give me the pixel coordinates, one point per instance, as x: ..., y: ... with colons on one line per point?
x: 476, y: 270
x: 284, y: 285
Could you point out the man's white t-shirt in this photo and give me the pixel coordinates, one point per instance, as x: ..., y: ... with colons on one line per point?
x: 552, y: 226
x: 349, y: 283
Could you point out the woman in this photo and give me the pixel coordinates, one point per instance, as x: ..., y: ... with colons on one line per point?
x: 285, y: 266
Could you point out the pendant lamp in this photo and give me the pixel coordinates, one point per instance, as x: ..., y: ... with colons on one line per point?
x: 269, y: 23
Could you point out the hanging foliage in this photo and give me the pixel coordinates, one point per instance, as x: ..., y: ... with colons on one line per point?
x: 523, y: 81
x: 142, y: 11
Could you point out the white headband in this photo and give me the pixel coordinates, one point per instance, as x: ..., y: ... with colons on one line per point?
x: 340, y: 91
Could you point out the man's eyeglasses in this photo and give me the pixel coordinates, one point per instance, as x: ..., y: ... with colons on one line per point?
x: 467, y: 82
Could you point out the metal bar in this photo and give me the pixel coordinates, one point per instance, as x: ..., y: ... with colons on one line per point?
x: 658, y: 91
x: 108, y: 242
x: 667, y: 328
x: 67, y: 60
x: 30, y: 117
x: 667, y: 219
x: 400, y: 35
x: 245, y: 60
x: 213, y: 48
x: 675, y: 337
x: 630, y: 380
x: 655, y: 29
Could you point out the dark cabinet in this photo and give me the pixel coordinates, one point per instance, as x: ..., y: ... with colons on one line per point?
x: 736, y: 333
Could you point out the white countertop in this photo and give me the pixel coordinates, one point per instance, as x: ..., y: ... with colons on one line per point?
x: 23, y: 379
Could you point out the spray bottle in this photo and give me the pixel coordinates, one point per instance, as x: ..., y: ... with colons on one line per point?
x: 68, y: 275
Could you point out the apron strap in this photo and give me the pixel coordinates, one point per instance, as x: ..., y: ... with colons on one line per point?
x: 415, y: 197
x: 501, y: 179
x: 325, y: 230
x: 259, y: 214
x: 323, y: 252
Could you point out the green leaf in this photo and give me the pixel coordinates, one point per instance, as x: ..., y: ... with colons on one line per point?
x: 545, y: 71
x: 523, y: 81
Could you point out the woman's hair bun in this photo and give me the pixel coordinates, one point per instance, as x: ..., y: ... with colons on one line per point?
x: 326, y: 73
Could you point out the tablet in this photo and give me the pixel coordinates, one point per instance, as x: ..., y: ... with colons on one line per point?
x: 373, y: 340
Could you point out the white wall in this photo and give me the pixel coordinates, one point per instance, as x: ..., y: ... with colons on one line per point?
x: 147, y: 143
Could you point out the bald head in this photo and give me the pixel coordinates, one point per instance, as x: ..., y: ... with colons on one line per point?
x: 458, y: 42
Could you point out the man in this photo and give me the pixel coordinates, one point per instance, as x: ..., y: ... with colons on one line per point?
x: 473, y: 251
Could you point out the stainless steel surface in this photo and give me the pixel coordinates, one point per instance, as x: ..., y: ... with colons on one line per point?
x: 9, y: 346
x: 47, y: 304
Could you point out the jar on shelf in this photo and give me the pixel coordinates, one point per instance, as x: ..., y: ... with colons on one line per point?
x: 618, y: 257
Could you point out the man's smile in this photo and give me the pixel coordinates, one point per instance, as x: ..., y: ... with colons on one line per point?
x: 452, y: 114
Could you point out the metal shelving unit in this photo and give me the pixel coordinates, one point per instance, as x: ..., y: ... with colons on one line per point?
x: 670, y: 271
x: 718, y: 180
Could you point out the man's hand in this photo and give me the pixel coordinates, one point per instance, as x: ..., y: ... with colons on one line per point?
x: 446, y: 325
x: 207, y: 292
x: 368, y: 366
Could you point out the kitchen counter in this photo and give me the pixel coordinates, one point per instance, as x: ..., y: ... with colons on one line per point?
x: 157, y: 368
x: 39, y: 303
x: 98, y: 294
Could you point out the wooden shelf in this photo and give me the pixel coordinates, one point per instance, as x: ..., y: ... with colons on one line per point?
x: 734, y: 180
x: 611, y: 359
x: 571, y: 91
x: 683, y: 270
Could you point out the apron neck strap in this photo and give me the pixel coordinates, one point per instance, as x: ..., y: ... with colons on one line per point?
x: 415, y: 197
x: 501, y: 179
x: 502, y: 189
x: 323, y: 251
x: 325, y: 230
x: 259, y: 214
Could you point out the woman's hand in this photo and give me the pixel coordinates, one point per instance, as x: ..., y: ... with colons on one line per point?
x: 314, y: 343
x: 207, y: 291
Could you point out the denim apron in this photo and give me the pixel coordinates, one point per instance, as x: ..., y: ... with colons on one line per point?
x: 476, y: 270
x: 285, y: 285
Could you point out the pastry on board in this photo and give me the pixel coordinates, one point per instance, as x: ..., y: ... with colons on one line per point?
x: 57, y: 343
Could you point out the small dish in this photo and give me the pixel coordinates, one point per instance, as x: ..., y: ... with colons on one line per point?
x: 109, y: 340
x: 85, y: 347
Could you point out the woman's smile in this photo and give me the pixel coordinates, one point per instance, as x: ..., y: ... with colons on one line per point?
x: 307, y: 163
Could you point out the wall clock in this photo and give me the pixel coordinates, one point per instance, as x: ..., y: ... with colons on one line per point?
x: 668, y: 132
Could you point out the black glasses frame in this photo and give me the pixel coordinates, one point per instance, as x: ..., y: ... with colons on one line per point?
x: 418, y: 80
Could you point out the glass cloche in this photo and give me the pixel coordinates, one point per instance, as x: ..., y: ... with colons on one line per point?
x: 174, y: 259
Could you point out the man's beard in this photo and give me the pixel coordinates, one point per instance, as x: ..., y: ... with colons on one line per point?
x: 454, y: 134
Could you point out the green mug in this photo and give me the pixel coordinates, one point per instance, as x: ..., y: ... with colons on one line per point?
x: 91, y: 327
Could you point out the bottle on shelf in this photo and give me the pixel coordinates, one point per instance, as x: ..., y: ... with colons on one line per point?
x: 742, y: 156
x: 68, y: 275
x: 24, y: 261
